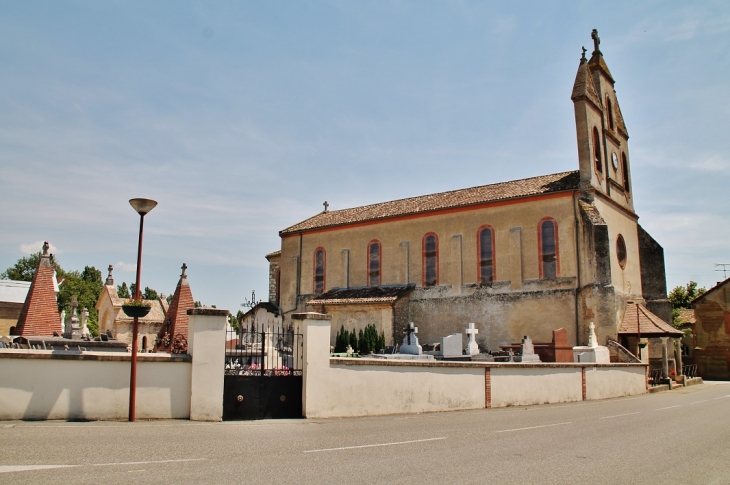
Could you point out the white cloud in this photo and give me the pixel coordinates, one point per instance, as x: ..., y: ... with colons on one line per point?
x: 36, y: 247
x: 126, y: 267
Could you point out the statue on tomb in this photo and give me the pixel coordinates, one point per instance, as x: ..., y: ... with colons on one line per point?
x: 472, y: 348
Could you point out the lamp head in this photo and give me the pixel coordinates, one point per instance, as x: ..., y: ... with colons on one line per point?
x: 142, y: 206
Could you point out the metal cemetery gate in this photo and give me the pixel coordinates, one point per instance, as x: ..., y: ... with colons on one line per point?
x: 263, y: 374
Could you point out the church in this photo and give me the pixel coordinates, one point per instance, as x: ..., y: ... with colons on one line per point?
x: 523, y: 257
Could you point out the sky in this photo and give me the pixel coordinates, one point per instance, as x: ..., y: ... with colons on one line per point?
x: 242, y: 117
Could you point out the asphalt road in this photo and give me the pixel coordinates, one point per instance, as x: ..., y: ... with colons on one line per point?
x: 681, y: 437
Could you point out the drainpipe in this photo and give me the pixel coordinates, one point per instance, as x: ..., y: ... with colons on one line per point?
x: 577, y: 265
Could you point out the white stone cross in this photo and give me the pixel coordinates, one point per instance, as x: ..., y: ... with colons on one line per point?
x: 592, y: 340
x: 409, y: 330
x: 472, y: 348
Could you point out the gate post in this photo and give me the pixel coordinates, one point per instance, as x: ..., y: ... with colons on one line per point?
x: 315, y: 328
x: 207, y: 346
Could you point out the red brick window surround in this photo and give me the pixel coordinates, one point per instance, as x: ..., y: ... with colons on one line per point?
x: 374, y: 263
x: 486, y: 267
x: 597, y: 159
x: 320, y: 262
x: 430, y: 259
x: 547, y: 235
x: 625, y: 171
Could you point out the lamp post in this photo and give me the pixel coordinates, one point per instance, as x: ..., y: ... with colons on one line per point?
x: 142, y: 206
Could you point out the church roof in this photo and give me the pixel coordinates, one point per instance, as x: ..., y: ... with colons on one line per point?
x: 639, y: 320
x: 275, y: 254
x: 686, y: 316
x: 515, y: 189
x: 362, y: 294
x: 39, y: 316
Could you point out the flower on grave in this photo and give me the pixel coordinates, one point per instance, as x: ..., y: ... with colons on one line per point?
x: 282, y: 371
x: 165, y: 340
x: 179, y: 344
x: 137, y: 303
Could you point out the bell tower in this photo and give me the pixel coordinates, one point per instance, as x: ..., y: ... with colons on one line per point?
x: 603, y: 152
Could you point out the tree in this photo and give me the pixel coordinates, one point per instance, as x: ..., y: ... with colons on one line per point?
x: 86, y: 286
x: 24, y: 268
x: 235, y: 320
x: 123, y: 291
x: 681, y: 297
x: 147, y: 294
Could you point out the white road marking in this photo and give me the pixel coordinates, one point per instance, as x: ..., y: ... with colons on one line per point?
x: 533, y: 427
x: 721, y: 397
x: 375, y: 445
x: 25, y: 468
x: 670, y: 407
x: 619, y: 415
x: 697, y: 402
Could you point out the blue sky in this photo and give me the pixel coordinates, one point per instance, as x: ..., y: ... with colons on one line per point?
x: 241, y: 118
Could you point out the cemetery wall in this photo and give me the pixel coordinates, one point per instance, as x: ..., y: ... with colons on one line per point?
x: 363, y: 390
x: 607, y: 382
x: 520, y: 385
x: 37, y: 385
x: 43, y: 384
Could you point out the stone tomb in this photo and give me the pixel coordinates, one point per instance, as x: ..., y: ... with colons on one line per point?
x: 528, y: 351
x: 452, y: 345
x: 592, y: 352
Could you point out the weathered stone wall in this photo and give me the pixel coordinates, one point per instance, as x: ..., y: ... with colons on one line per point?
x: 653, y: 276
x: 503, y: 317
x: 9, y: 313
x: 274, y: 275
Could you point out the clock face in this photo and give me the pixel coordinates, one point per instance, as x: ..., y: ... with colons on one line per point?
x: 614, y: 160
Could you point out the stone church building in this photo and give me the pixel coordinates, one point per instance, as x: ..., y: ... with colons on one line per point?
x: 517, y: 258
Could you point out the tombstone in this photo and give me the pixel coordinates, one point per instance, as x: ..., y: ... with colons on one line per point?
x: 73, y: 329
x: 85, y: 333
x: 410, y: 341
x: 591, y: 352
x: 528, y: 351
x: 452, y: 345
x: 472, y: 348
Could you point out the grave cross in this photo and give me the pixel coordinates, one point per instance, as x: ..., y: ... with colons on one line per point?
x: 326, y: 206
x: 410, y: 329
x: 184, y: 268
x: 472, y: 347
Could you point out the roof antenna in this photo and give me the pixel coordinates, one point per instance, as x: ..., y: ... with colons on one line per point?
x: 724, y: 269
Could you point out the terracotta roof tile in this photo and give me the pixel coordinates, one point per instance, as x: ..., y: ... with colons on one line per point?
x: 687, y: 315
x: 583, y: 86
x: 39, y: 316
x: 649, y: 324
x: 177, y: 313
x: 362, y: 294
x: 544, y: 184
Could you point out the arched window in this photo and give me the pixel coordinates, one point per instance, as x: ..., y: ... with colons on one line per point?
x: 548, y: 241
x: 625, y: 171
x: 621, y: 251
x: 320, y: 261
x: 430, y: 260
x: 609, y: 107
x: 485, y: 248
x: 374, y: 252
x: 597, y: 151
x: 144, y: 343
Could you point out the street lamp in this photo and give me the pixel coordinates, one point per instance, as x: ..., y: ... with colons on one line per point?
x: 142, y: 206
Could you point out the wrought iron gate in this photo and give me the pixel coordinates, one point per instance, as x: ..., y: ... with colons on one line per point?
x: 263, y: 374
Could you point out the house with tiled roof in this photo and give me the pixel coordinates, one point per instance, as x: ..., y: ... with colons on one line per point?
x: 522, y: 257
x: 712, y: 332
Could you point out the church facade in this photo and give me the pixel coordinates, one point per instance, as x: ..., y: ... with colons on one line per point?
x: 523, y: 257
